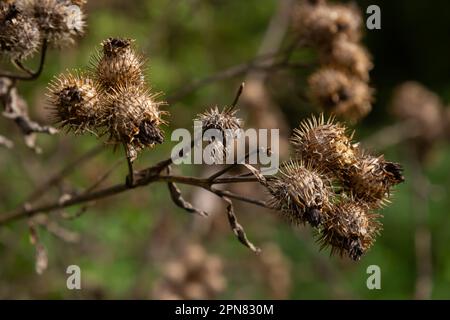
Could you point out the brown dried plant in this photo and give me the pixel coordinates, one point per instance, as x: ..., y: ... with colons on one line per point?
x: 331, y: 182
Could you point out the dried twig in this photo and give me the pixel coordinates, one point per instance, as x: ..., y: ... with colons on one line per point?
x: 238, y: 230
x: 177, y: 198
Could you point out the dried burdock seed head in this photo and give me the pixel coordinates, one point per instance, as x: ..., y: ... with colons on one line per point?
x: 220, y: 120
x: 412, y: 101
x: 371, y: 179
x: 349, y: 229
x: 325, y: 145
x: 300, y: 194
x: 58, y: 21
x: 75, y: 102
x: 132, y: 117
x: 226, y: 123
x: 350, y: 57
x: 19, y: 35
x: 336, y: 92
x: 118, y: 65
x: 321, y: 24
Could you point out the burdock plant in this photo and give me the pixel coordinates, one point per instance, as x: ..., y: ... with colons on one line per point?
x: 330, y: 182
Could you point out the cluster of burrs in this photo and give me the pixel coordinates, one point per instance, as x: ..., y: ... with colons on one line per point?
x: 332, y: 183
x: 335, y: 186
x: 340, y: 85
x: 111, y: 99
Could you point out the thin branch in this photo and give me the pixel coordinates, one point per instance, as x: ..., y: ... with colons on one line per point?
x: 238, y: 95
x: 262, y: 63
x: 150, y: 175
x: 239, y: 197
x: 65, y: 171
x: 392, y: 135
x: 422, y: 235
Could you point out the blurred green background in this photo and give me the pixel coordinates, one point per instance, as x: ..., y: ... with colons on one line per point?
x: 123, y: 243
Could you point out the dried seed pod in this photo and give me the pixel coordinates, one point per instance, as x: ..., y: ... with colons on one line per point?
x: 350, y: 57
x: 325, y: 145
x: 118, y: 65
x: 19, y: 35
x: 75, y: 102
x: 220, y: 120
x: 132, y: 117
x: 300, y: 194
x: 58, y: 21
x: 321, y: 24
x: 226, y: 123
x: 338, y: 93
x: 350, y: 229
x: 371, y: 179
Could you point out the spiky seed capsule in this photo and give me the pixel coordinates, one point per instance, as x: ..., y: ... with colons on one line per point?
x: 19, y: 36
x: 350, y: 57
x: 133, y: 117
x: 75, y: 103
x: 58, y: 21
x: 226, y: 123
x: 325, y: 145
x: 371, y: 179
x: 349, y: 229
x: 338, y: 93
x: 321, y: 24
x: 300, y: 194
x: 220, y: 120
x: 118, y: 65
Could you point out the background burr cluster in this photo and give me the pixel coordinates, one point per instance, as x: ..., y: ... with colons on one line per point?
x: 340, y: 86
x: 26, y: 24
x: 111, y: 99
x: 194, y: 275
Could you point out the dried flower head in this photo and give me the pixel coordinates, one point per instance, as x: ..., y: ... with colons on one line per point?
x: 133, y: 117
x: 371, y: 179
x: 223, y: 121
x: 300, y: 193
x: 350, y: 57
x: 118, y: 65
x: 320, y: 24
x: 350, y: 229
x: 194, y: 275
x: 19, y: 35
x: 58, y: 21
x: 325, y: 145
x: 74, y: 101
x: 338, y: 93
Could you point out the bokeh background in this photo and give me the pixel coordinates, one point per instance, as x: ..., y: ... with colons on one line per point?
x: 131, y: 245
